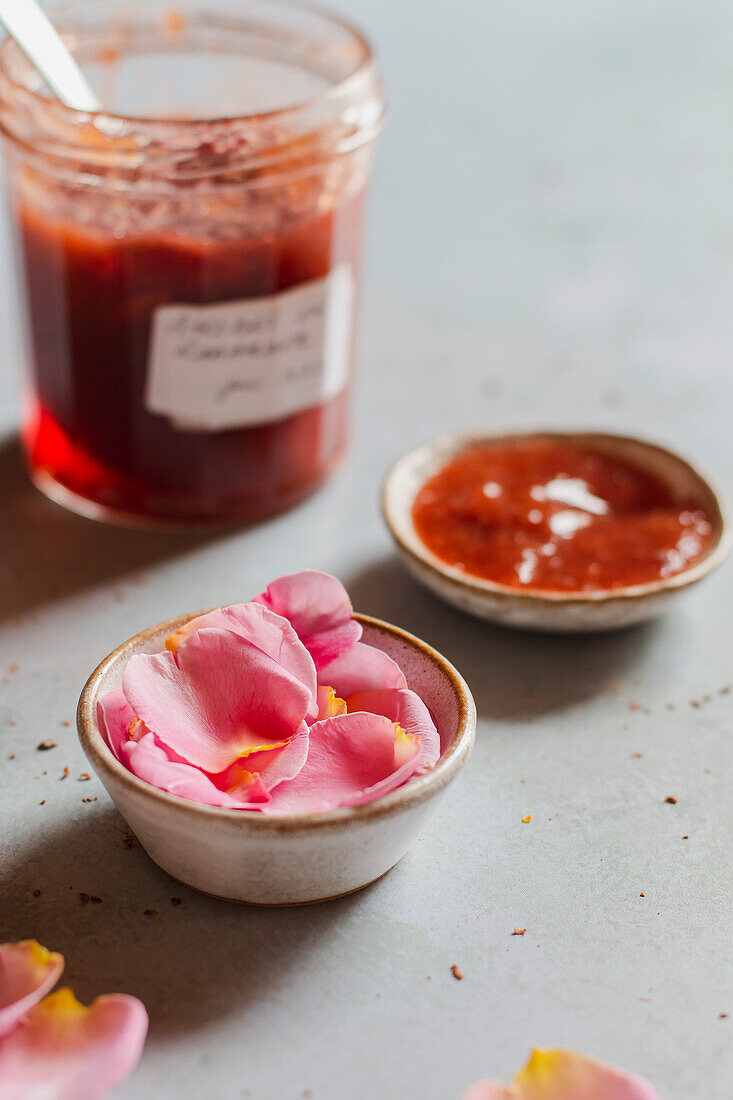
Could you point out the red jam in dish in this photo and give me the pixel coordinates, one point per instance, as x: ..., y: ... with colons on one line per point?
x: 538, y: 514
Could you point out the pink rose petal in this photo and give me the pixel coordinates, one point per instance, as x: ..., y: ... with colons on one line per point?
x: 65, y: 1051
x: 149, y: 762
x: 329, y: 704
x: 319, y: 608
x: 563, y: 1075
x: 219, y: 698
x: 271, y: 633
x: 362, y: 668
x: 273, y: 766
x: 115, y: 717
x: 27, y: 973
x: 489, y: 1090
x: 352, y: 758
x: 407, y: 709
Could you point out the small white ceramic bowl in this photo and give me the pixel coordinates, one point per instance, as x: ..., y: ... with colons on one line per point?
x: 248, y: 857
x: 550, y: 611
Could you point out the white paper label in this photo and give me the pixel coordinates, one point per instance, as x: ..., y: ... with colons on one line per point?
x: 213, y: 367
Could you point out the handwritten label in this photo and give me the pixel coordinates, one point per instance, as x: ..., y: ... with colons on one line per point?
x: 234, y: 364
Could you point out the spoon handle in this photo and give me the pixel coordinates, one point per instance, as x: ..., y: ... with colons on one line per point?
x: 36, y: 36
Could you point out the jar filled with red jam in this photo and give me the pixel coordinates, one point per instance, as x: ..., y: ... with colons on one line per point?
x: 188, y: 258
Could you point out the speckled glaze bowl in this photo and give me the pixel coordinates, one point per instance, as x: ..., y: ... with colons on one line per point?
x: 606, y: 609
x: 248, y: 857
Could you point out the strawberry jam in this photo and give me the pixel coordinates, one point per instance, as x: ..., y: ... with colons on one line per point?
x: 92, y: 297
x: 539, y: 514
x: 188, y: 257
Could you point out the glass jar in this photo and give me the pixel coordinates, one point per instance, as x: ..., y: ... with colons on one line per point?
x: 188, y: 260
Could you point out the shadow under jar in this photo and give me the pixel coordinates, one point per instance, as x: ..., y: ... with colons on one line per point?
x: 188, y: 259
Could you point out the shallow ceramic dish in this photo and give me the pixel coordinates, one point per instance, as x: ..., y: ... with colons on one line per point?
x: 550, y: 611
x: 248, y: 857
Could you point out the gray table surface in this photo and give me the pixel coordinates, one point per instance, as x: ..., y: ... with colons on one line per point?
x: 551, y: 243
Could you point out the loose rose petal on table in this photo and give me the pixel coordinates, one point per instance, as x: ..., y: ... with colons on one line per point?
x: 148, y: 761
x: 407, y: 709
x: 319, y: 608
x: 63, y: 1050
x: 27, y: 973
x: 271, y: 633
x: 218, y: 699
x: 352, y: 758
x: 362, y: 668
x: 489, y: 1090
x: 116, y: 718
x: 563, y: 1075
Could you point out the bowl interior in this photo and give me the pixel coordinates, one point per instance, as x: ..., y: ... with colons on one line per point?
x: 684, y: 482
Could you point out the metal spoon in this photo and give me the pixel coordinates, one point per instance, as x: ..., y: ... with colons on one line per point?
x: 39, y: 41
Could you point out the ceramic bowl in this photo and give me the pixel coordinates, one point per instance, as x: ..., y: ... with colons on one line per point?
x: 550, y: 611
x: 248, y: 857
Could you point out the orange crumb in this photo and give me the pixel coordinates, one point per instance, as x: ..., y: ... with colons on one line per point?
x: 173, y: 21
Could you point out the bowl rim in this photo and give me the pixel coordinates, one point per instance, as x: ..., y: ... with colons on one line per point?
x: 452, y: 444
x: 416, y: 790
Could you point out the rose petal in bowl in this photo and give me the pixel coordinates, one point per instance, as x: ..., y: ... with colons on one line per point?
x: 329, y: 703
x: 352, y: 759
x: 219, y: 698
x: 148, y: 761
x: 272, y: 766
x: 116, y: 719
x: 271, y: 633
x: 319, y: 608
x: 362, y: 668
x: 406, y: 709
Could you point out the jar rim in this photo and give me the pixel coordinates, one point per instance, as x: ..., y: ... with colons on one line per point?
x: 365, y: 64
x: 346, y: 114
